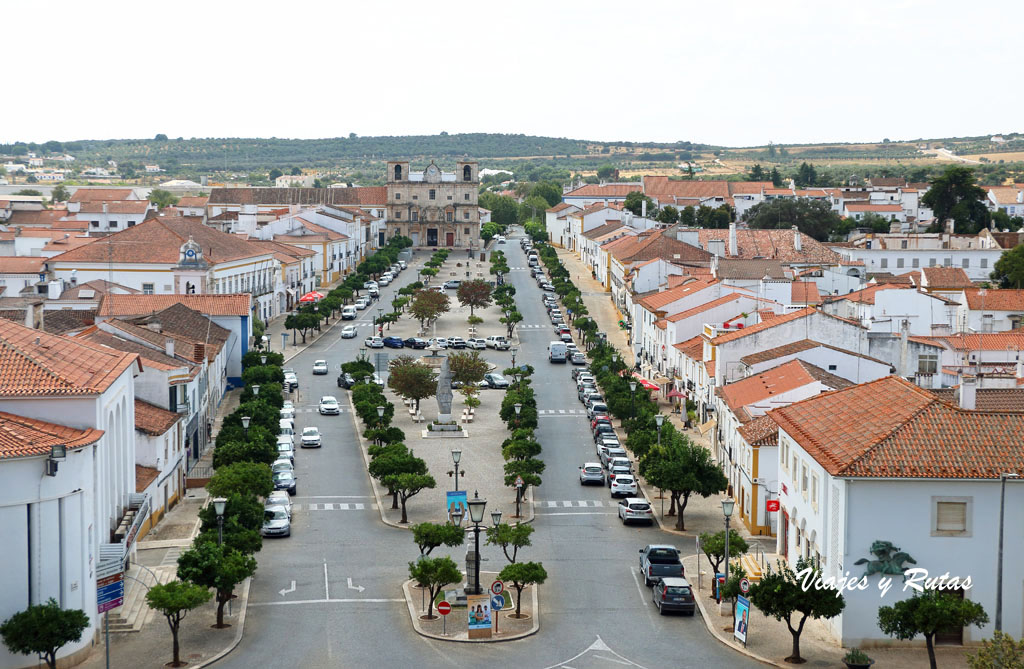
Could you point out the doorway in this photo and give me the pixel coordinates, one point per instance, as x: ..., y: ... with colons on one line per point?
x: 431, y: 236
x: 784, y: 536
x: 449, y: 239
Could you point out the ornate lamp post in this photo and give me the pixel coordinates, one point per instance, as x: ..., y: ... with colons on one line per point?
x: 218, y: 507
x: 515, y: 349
x: 245, y: 425
x: 256, y: 390
x: 456, y: 457
x: 727, y: 506
x: 476, y: 515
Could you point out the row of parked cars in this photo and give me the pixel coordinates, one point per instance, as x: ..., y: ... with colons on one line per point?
x: 497, y: 342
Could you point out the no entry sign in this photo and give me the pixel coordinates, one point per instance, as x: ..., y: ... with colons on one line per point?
x: 444, y: 608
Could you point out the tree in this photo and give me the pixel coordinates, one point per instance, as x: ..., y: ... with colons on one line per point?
x: 243, y: 518
x: 303, y: 322
x: 780, y: 594
x: 391, y: 461
x: 474, y: 294
x: 1001, y: 652
x: 408, y: 485
x: 757, y: 173
x: 43, y: 629
x: 551, y: 191
x: 218, y: 567
x: 160, y: 137
x: 244, y: 478
x: 274, y: 174
x: 510, y: 320
x: 605, y: 172
x: 635, y: 203
x: 244, y: 451
x: 521, y: 575
x: 295, y: 171
x: 529, y: 469
x: 713, y: 545
x: 927, y: 613
x: 427, y: 306
x: 467, y: 367
x: 433, y: 574
x: 668, y: 214
x: 806, y: 176
x: 174, y: 600
x: 411, y: 379
x: 1009, y: 269
x: 59, y: 193
x: 682, y: 468
x: 504, y: 209
x: 510, y: 537
x: 532, y: 208
x: 776, y: 177
x: 814, y: 218
x: 162, y: 198
x: 429, y: 536
x: 955, y: 194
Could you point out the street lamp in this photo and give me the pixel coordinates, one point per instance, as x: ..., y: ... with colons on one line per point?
x: 727, y: 505
x: 256, y: 390
x: 999, y: 568
x: 366, y: 380
x: 380, y: 422
x: 515, y: 349
x: 658, y: 420
x: 362, y: 353
x: 632, y: 399
x: 496, y: 518
x: 263, y: 359
x: 456, y: 457
x: 476, y: 514
x: 518, y: 407
x: 245, y: 424
x: 218, y: 507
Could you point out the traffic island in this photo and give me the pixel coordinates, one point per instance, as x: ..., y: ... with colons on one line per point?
x: 455, y: 626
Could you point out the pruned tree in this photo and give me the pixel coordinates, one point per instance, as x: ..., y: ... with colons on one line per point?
x: 244, y: 478
x: 174, y: 600
x: 43, y: 629
x: 510, y: 320
x: 406, y: 486
x: 713, y: 545
x: 1002, y: 651
x: 429, y: 536
x: 682, y: 468
x: 467, y: 367
x: 926, y: 614
x: 393, y: 460
x: 433, y: 574
x: 521, y: 575
x: 214, y: 566
x: 427, y: 306
x: 411, y: 379
x: 475, y: 294
x: 510, y: 538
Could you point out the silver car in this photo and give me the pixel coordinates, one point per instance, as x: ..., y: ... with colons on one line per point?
x: 276, y: 522
x: 280, y: 498
x: 591, y: 472
x: 635, y: 510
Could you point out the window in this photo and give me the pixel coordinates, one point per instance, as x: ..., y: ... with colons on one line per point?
x: 803, y: 480
x: 947, y: 262
x: 833, y: 368
x: 415, y: 197
x: 466, y: 231
x: 931, y: 262
x: 884, y: 263
x: 433, y: 194
x: 415, y: 216
x: 94, y: 224
x: 465, y: 215
x: 449, y: 197
x: 448, y: 216
x: 398, y: 196
x: 467, y: 196
x: 899, y: 262
x: 398, y: 172
x: 928, y: 363
x: 796, y: 470
x: 814, y: 491
x: 965, y: 263
x: 984, y: 263
x: 916, y: 262
x: 467, y: 173
x: 398, y: 215
x: 903, y: 244
x: 131, y: 223
x: 951, y: 516
x: 147, y: 289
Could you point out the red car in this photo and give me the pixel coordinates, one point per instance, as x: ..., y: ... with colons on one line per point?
x: 600, y: 418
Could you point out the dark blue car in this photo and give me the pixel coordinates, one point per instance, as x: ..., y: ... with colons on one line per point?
x: 394, y: 342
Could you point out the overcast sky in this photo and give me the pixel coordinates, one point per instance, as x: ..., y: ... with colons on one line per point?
x: 732, y: 72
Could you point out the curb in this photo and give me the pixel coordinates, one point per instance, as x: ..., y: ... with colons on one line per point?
x: 414, y: 617
x: 657, y: 518
x: 366, y: 468
x: 238, y: 631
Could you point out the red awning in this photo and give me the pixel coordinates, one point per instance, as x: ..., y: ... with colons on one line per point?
x: 649, y: 385
x: 311, y: 296
x: 675, y: 393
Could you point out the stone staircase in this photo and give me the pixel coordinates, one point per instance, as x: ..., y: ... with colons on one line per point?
x: 134, y: 613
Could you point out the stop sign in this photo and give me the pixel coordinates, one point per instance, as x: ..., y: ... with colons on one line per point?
x: 444, y: 608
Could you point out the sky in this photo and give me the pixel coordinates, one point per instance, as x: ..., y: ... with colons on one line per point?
x: 729, y: 72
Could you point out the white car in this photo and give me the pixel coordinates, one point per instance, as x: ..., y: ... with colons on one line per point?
x: 287, y: 410
x: 362, y: 303
x: 476, y: 343
x: 635, y: 509
x: 319, y: 367
x: 498, y: 343
x: 280, y: 498
x: 402, y: 264
x: 624, y: 486
x: 310, y: 437
x: 370, y: 284
x: 440, y: 341
x: 374, y: 342
x: 329, y: 406
x: 385, y: 279
x: 348, y: 332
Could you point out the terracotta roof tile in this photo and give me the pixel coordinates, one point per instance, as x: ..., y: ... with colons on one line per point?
x: 805, y: 292
x: 144, y: 476
x: 867, y: 295
x: 797, y: 347
x: 559, y: 207
x: 44, y: 217
x: 21, y: 264
x: 777, y: 380
x: 364, y: 196
x: 606, y: 190
x: 945, y: 277
x: 193, y: 201
x: 660, y: 299
x: 99, y: 287
x: 986, y: 399
x: 56, y: 366
x: 101, y: 194
x: 696, y: 311
x: 984, y: 341
x: 61, y: 321
x: 209, y: 304
x: 25, y: 437
x: 116, y: 207
x: 602, y: 230
x: 773, y: 244
x: 153, y: 420
x: 151, y: 356
x: 991, y: 299
x: 692, y: 348
x: 762, y: 431
x: 741, y: 268
x: 753, y: 329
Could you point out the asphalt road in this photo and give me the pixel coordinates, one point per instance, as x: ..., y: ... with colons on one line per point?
x: 329, y: 596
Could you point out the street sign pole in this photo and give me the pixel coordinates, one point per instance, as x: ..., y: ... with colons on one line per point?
x: 106, y: 626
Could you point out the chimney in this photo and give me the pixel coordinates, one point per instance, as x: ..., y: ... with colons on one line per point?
x: 74, y: 277
x: 797, y: 242
x: 199, y: 352
x: 717, y: 247
x: 949, y: 226
x: 154, y: 326
x: 1020, y: 196
x: 904, y: 347
x: 733, y: 251
x: 968, y: 392
x: 54, y: 289
x: 169, y: 347
x: 106, y: 208
x: 643, y: 208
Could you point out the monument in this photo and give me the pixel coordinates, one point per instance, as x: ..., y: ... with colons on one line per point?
x: 443, y: 425
x: 444, y: 393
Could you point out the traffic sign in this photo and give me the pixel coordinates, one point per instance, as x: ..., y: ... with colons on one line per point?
x: 497, y: 588
x: 110, y: 592
x: 744, y: 585
x: 497, y: 602
x: 444, y: 608
x: 772, y: 505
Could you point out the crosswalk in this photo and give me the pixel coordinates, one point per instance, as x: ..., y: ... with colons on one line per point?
x: 571, y: 504
x: 561, y: 412
x: 534, y: 327
x: 334, y: 506
x: 317, y: 410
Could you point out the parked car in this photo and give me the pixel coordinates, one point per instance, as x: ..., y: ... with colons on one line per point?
x: 547, y: 287
x: 584, y: 390
x: 402, y: 264
x: 310, y: 437
x: 585, y: 376
x: 635, y: 510
x: 578, y: 358
x: 320, y: 367
x: 498, y: 343
x: 599, y: 419
x: 591, y: 472
x: 660, y: 561
x: 623, y: 485
x: 609, y: 453
x: 282, y: 464
x: 329, y: 406
x: 576, y: 373
x: 452, y: 283
x: 369, y: 284
x: 276, y: 522
x: 673, y: 594
x: 616, y: 472
x: 362, y: 303
x: 280, y: 498
x: 373, y: 291
x: 286, y: 480
x: 441, y: 342
x: 287, y: 410
x: 456, y: 342
x: 374, y: 342
x: 285, y: 449
x: 348, y: 313
x: 346, y: 381
x: 476, y: 343
x: 596, y: 406
x: 566, y: 337
x: 494, y: 381
x: 393, y: 342
x: 291, y: 381
x: 385, y: 279
x: 415, y: 342
x: 601, y: 430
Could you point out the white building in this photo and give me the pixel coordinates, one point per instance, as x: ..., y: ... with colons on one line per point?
x: 976, y: 254
x: 989, y: 310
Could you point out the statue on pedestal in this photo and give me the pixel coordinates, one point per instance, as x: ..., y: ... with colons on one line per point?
x: 444, y: 393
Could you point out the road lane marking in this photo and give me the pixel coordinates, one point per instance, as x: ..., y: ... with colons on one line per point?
x: 643, y: 598
x: 567, y: 504
x: 612, y: 659
x: 577, y: 513
x: 325, y: 601
x: 327, y: 586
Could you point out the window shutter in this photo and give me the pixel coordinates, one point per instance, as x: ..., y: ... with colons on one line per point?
x: 951, y: 516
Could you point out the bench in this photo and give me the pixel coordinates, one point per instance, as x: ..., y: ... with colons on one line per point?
x: 418, y: 418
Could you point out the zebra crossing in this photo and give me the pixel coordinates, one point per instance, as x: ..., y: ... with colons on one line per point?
x: 533, y: 327
x: 561, y: 412
x: 334, y: 506
x: 317, y: 410
x: 570, y: 504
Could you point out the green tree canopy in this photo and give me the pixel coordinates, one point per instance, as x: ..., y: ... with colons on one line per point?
x: 682, y: 468
x: 406, y: 486
x: 927, y: 613
x: 59, y: 193
x: 521, y: 575
x: 243, y: 478
x: 162, y: 198
x: 411, y: 379
x: 955, y: 194
x: 467, y: 366
x: 713, y: 545
x: 510, y: 538
x: 635, y: 203
x: 475, y: 294
x: 814, y: 218
x: 1009, y: 269
x: 427, y: 306
x: 429, y: 536
x: 43, y: 629
x: 1002, y: 651
x: 218, y: 567
x: 433, y: 574
x: 174, y: 600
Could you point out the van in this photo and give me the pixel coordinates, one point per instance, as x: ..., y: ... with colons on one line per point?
x: 286, y: 426
x: 556, y: 352
x: 348, y: 313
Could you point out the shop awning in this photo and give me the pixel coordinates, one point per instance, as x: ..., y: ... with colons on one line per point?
x: 311, y: 296
x: 706, y: 427
x: 649, y: 385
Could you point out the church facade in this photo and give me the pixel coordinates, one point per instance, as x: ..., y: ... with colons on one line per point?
x: 434, y: 208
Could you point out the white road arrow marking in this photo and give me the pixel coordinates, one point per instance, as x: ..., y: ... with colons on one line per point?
x: 287, y: 590
x: 355, y: 587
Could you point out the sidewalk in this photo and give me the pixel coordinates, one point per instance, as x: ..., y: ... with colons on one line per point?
x: 599, y: 304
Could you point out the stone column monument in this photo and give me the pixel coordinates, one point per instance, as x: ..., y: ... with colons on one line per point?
x: 444, y: 393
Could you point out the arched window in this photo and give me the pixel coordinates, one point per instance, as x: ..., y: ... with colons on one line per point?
x: 398, y: 172
x: 467, y: 173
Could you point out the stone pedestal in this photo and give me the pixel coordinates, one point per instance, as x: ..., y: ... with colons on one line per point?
x: 471, y: 560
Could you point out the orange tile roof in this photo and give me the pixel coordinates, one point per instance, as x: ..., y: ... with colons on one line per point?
x: 152, y: 420
x: 605, y: 190
x: 777, y: 380
x: 762, y: 431
x: 890, y: 428
x: 100, y: 194
x: 56, y: 365
x: 759, y: 327
x: 22, y: 437
x: 21, y: 264
x: 559, y: 207
x: 995, y: 299
x: 144, y: 476
x: 984, y: 341
x: 772, y: 244
x: 796, y: 347
x: 193, y: 201
x: 208, y: 305
x: 1005, y: 195
x: 116, y: 207
x: 660, y: 299
x: 867, y: 295
x: 696, y: 311
x: 945, y: 277
x: 692, y: 348
x: 805, y: 292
